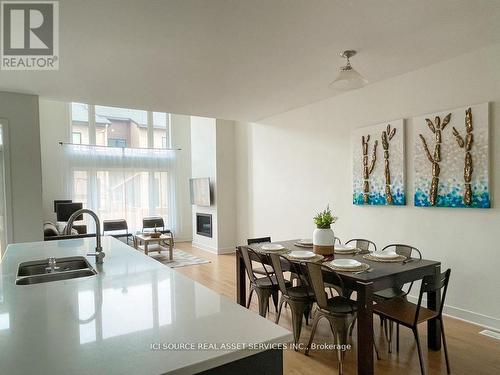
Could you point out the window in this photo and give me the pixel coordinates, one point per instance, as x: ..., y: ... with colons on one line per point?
x: 130, y: 178
x: 115, y: 142
x: 119, y: 127
x: 77, y: 138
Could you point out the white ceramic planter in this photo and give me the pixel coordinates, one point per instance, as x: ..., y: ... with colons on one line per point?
x: 323, y: 241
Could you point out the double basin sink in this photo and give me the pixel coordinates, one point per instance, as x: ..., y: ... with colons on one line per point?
x: 43, y: 271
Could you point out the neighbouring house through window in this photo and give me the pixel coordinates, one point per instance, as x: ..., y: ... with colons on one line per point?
x: 112, y: 142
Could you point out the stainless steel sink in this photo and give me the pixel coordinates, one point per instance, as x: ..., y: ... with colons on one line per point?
x: 40, y: 271
x: 56, y: 276
x: 39, y: 267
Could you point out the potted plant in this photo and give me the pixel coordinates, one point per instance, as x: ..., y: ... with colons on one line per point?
x: 323, y: 236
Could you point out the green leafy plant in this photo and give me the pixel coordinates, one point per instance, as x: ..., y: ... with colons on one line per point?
x: 324, y: 219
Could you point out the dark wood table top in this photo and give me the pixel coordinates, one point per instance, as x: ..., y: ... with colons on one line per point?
x: 379, y: 270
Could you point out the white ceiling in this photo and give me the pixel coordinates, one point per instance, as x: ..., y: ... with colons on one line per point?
x: 245, y: 59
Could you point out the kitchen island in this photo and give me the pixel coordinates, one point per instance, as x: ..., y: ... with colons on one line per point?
x: 136, y: 316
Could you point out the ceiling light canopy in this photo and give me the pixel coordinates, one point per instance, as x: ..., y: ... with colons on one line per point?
x: 348, y: 78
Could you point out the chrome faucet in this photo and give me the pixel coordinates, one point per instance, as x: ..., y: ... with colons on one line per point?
x: 52, y: 267
x: 99, y: 254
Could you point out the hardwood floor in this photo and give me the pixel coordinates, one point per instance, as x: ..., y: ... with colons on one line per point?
x: 470, y: 353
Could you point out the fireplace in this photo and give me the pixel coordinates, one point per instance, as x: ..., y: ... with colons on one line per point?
x: 204, y: 225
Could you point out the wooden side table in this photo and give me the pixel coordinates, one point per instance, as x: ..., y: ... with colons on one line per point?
x: 147, y: 241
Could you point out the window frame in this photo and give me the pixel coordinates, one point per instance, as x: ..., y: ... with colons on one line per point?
x: 150, y: 128
x: 73, y: 133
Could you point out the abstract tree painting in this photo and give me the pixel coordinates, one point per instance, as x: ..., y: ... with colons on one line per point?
x: 378, y: 172
x: 455, y: 172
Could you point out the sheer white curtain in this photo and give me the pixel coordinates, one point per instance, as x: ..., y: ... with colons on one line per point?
x: 122, y: 183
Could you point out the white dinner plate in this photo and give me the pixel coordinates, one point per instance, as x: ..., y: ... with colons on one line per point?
x: 345, y: 263
x: 302, y: 254
x: 272, y: 247
x: 305, y: 241
x: 385, y: 254
x: 345, y: 248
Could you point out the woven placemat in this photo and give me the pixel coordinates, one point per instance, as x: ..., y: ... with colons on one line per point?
x: 362, y: 267
x: 353, y: 251
x: 262, y: 251
x: 316, y: 258
x: 399, y: 259
x: 298, y: 244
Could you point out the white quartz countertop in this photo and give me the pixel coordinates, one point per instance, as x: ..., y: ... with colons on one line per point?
x: 107, y: 324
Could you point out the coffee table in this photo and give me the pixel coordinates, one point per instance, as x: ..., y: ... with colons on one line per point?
x: 144, y: 241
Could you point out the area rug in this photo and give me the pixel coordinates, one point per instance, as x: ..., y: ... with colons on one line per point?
x: 181, y: 259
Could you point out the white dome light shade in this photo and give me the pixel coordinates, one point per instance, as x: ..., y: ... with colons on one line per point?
x: 348, y: 78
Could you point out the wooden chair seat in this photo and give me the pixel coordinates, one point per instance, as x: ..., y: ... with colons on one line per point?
x: 401, y: 311
x: 389, y: 293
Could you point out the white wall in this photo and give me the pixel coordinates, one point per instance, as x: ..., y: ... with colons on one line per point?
x: 54, y: 128
x: 213, y: 156
x: 226, y: 186
x: 204, y: 164
x: 21, y: 112
x: 180, y: 130
x: 293, y: 164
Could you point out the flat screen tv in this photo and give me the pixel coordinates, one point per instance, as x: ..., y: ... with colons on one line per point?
x: 200, y: 191
x: 65, y: 210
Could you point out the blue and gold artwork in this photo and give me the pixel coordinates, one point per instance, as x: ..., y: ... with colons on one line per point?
x: 452, y: 158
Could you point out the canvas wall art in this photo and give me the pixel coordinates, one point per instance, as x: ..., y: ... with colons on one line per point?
x: 378, y: 164
x: 452, y: 158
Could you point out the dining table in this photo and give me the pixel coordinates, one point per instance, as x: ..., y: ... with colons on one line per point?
x: 380, y: 275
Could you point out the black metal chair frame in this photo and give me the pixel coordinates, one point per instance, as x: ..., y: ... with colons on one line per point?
x: 340, y: 322
x: 365, y: 244
x: 302, y: 298
x: 117, y: 225
x: 407, y: 251
x: 267, y: 268
x: 263, y: 291
x: 429, y: 284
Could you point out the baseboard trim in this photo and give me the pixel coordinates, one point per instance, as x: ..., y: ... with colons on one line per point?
x: 183, y: 240
x: 200, y: 246
x: 481, y: 320
x: 227, y: 250
x: 213, y: 250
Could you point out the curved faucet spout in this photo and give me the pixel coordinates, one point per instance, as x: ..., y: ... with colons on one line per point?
x: 99, y: 254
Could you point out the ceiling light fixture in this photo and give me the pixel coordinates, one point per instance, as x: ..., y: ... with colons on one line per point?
x: 348, y: 78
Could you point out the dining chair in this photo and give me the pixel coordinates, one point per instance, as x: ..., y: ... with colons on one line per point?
x: 339, y: 311
x: 337, y: 240
x: 410, y: 315
x: 300, y: 298
x: 264, y: 287
x: 266, y: 268
x: 396, y: 291
x: 363, y: 244
x: 111, y: 227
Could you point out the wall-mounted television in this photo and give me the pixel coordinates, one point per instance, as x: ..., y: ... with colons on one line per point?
x: 200, y: 191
